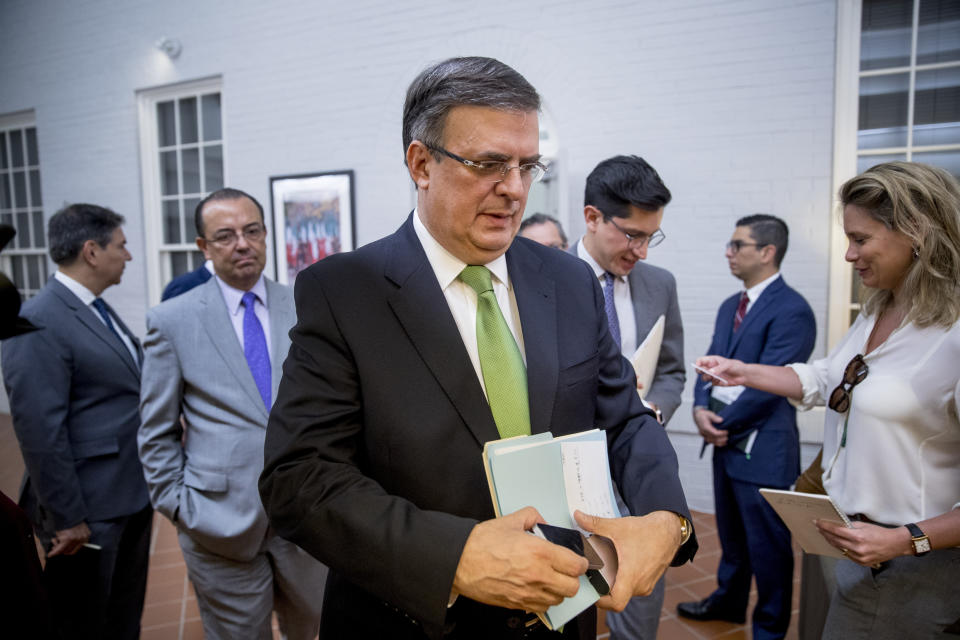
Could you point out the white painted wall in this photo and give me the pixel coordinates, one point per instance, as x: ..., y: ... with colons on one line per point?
x: 731, y: 100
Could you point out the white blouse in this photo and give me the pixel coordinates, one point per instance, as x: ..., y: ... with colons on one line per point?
x: 901, y: 461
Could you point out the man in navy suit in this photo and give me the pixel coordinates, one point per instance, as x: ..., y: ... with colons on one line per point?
x: 754, y: 433
x: 373, y: 450
x: 74, y: 388
x: 187, y: 281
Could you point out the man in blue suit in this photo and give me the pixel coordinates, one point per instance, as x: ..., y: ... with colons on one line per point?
x: 187, y: 281
x: 754, y: 434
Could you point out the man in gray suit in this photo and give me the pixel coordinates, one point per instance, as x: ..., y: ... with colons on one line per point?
x: 214, y: 355
x: 624, y: 201
x: 74, y: 387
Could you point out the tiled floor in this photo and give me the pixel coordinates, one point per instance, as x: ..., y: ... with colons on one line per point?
x: 171, y: 611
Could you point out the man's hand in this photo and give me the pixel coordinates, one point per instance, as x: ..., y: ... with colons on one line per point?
x: 505, y: 566
x: 68, y: 541
x: 645, y: 547
x: 867, y: 544
x: 705, y: 419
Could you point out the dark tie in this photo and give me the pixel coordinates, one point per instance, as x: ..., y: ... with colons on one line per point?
x: 741, y: 310
x: 504, y: 374
x: 255, y: 348
x: 609, y: 305
x: 101, y: 308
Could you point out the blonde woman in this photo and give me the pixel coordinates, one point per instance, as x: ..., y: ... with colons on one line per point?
x: 891, y: 451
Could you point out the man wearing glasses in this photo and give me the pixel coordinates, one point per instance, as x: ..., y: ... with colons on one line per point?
x: 754, y: 433
x: 623, y: 206
x: 412, y: 352
x: 213, y: 355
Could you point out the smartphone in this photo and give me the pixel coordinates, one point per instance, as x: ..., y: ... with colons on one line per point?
x: 712, y: 375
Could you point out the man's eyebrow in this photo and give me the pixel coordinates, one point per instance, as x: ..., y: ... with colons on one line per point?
x: 503, y: 157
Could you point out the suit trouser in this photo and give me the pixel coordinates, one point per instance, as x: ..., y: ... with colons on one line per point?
x: 99, y: 593
x: 755, y: 543
x: 236, y: 598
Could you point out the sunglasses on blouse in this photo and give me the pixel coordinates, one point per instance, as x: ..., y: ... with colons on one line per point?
x: 854, y: 374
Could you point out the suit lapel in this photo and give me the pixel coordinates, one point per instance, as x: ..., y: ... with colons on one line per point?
x: 537, y: 304
x: 282, y: 317
x: 422, y: 310
x: 215, y: 319
x: 85, y: 315
x: 758, y: 309
x: 640, y: 295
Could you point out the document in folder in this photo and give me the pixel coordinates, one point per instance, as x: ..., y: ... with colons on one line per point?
x: 645, y: 358
x: 799, y: 510
x: 555, y: 476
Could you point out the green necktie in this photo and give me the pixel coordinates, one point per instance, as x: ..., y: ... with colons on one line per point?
x: 504, y: 374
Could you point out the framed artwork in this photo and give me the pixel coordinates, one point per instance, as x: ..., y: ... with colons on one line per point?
x: 313, y: 217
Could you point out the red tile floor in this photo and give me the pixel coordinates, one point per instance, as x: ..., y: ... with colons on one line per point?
x: 170, y: 612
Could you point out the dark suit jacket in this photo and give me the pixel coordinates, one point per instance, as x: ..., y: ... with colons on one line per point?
x: 373, y: 450
x: 74, y: 395
x: 778, y: 329
x: 653, y: 291
x: 182, y: 284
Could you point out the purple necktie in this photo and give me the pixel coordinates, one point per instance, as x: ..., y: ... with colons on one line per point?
x: 255, y: 348
x: 610, y: 307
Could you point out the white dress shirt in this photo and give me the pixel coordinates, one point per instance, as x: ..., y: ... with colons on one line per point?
x: 234, y: 299
x: 621, y: 300
x: 87, y: 297
x: 901, y: 462
x: 462, y: 299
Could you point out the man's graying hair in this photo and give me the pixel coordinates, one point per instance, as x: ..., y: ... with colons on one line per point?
x: 73, y: 225
x: 474, y: 81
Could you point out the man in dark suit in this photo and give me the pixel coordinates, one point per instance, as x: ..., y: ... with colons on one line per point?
x: 623, y: 205
x: 74, y: 388
x: 187, y: 281
x: 754, y: 433
x: 373, y: 451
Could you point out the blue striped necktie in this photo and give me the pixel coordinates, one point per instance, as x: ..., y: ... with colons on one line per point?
x: 255, y: 348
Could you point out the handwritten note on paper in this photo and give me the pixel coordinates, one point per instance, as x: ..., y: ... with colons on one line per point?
x: 799, y: 510
x: 586, y: 478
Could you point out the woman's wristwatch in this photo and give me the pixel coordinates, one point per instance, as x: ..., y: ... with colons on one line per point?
x: 921, y: 543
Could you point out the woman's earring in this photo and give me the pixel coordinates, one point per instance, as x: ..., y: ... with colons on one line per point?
x: 916, y: 253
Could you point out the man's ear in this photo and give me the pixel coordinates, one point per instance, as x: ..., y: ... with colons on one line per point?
x: 592, y: 216
x: 418, y: 163
x: 202, y: 245
x: 90, y: 252
x: 768, y: 253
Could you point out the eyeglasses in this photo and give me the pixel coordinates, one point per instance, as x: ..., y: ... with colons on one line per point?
x: 637, y: 240
x: 227, y: 238
x: 735, y: 245
x: 853, y: 375
x: 495, y: 170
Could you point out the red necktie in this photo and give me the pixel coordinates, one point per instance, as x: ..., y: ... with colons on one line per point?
x: 741, y: 310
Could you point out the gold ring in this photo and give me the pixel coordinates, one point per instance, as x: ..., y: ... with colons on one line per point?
x: 844, y: 552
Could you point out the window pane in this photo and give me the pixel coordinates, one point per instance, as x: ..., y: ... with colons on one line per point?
x: 166, y: 125
x: 197, y: 259
x: 178, y: 263
x: 938, y: 39
x: 20, y: 189
x: 191, y: 170
x: 32, y: 156
x: 35, y: 199
x: 213, y: 167
x: 3, y: 150
x: 18, y: 271
x: 883, y: 111
x: 23, y: 230
x: 6, y: 202
x: 211, y: 116
x: 936, y: 111
x: 16, y: 148
x: 6, y: 218
x: 189, y: 220
x: 33, y: 271
x: 865, y: 162
x: 886, y: 33
x: 171, y: 222
x: 949, y: 160
x: 188, y: 120
x: 39, y: 235
x: 168, y: 173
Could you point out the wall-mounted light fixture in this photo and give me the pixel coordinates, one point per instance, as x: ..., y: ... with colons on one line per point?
x: 170, y: 46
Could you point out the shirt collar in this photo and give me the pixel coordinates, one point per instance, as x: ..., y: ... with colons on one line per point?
x: 86, y: 296
x: 754, y: 292
x: 599, y: 271
x: 447, y: 266
x: 234, y: 297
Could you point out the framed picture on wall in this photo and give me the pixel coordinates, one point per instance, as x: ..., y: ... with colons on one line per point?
x: 313, y: 217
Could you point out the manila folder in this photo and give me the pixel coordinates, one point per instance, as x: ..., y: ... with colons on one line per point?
x: 799, y: 510
x: 645, y: 358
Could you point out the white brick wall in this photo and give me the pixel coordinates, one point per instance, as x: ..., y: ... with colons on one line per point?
x: 731, y: 100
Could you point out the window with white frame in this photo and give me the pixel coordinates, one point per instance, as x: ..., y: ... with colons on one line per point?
x: 182, y: 159
x: 901, y: 93
x: 21, y: 204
